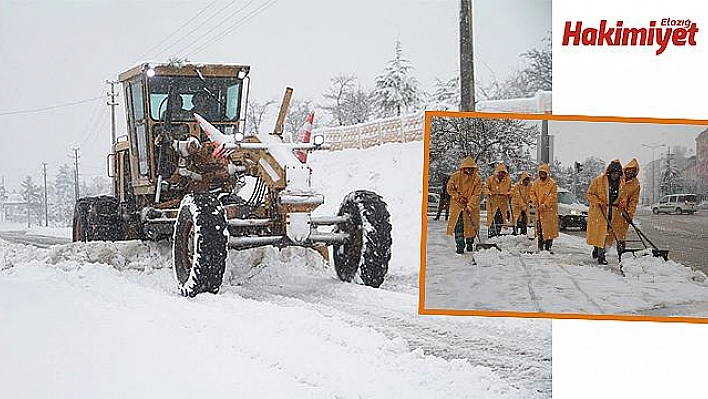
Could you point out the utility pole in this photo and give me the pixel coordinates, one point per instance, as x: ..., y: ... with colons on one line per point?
x: 2, y: 200
x: 467, y: 102
x: 76, y: 173
x: 46, y: 207
x: 545, y: 142
x: 113, y: 104
x: 653, y: 173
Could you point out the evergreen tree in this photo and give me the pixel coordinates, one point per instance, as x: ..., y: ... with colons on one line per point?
x: 64, y: 195
x: 33, y: 195
x: 671, y: 178
x: 445, y: 96
x: 396, y: 90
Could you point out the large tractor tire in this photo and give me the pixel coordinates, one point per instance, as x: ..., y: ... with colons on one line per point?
x: 97, y: 219
x: 200, y: 245
x: 368, y: 250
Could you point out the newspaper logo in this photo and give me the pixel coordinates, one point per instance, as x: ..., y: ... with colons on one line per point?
x: 667, y: 31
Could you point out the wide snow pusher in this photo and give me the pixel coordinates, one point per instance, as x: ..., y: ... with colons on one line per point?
x: 187, y: 171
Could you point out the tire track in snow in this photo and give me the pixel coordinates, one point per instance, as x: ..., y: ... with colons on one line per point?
x: 534, y: 297
x: 577, y: 286
x: 480, y: 342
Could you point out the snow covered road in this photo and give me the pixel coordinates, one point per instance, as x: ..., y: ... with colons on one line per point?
x: 568, y: 281
x: 105, y: 319
x: 87, y: 318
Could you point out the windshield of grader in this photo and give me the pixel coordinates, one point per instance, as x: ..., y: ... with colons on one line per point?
x: 216, y: 99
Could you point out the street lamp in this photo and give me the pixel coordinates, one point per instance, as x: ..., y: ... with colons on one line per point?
x: 653, y: 175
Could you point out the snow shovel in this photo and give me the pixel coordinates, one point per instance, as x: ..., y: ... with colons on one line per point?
x: 620, y: 247
x: 479, y: 244
x: 656, y: 252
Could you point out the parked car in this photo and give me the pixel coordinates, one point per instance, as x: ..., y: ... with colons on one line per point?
x: 571, y: 212
x: 676, y: 203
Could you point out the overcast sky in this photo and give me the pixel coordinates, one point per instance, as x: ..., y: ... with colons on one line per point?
x: 575, y: 141
x: 60, y: 51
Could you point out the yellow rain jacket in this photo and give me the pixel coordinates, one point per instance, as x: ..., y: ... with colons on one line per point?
x: 544, y: 196
x: 627, y: 200
x: 520, y: 199
x: 465, y: 195
x: 498, y: 192
x: 598, y: 196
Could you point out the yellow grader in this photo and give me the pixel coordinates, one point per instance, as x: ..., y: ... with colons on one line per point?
x: 187, y: 171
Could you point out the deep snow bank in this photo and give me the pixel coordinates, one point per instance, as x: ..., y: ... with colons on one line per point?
x: 393, y: 171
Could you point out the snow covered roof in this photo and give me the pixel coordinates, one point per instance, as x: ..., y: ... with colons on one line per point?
x: 542, y: 102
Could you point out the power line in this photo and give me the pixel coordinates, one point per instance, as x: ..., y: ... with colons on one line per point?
x: 51, y: 107
x: 236, y: 25
x: 197, y: 26
x: 215, y: 27
x: 177, y: 30
x: 91, y: 121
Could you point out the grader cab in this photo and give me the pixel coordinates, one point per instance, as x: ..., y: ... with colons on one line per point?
x: 188, y: 171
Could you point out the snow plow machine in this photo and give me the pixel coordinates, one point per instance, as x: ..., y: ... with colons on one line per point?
x: 187, y: 171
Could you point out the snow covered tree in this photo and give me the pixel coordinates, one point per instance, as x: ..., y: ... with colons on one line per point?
x: 98, y: 185
x: 33, y: 195
x: 396, y: 91
x: 445, y: 95
x: 563, y: 175
x: 256, y: 112
x: 348, y: 103
x: 335, y: 95
x: 64, y: 195
x: 671, y: 179
x: 535, y: 75
x: 488, y: 141
x: 297, y: 115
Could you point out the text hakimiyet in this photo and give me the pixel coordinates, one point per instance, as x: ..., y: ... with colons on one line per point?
x: 679, y: 32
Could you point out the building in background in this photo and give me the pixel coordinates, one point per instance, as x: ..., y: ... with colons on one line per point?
x: 702, y: 162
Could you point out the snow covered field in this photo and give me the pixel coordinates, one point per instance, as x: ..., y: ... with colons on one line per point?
x: 106, y: 320
x: 568, y: 281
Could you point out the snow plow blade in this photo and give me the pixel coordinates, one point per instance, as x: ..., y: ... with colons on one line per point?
x: 486, y: 246
x: 656, y: 252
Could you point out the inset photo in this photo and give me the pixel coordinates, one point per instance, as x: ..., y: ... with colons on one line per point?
x: 565, y: 217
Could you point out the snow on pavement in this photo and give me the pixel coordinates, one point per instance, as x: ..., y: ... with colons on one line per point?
x: 106, y: 320
x: 567, y: 281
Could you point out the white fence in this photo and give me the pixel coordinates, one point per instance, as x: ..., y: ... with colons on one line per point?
x: 400, y: 129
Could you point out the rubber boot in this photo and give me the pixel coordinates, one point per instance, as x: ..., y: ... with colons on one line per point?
x: 470, y: 244
x: 594, y: 252
x: 460, y: 235
x: 601, y: 259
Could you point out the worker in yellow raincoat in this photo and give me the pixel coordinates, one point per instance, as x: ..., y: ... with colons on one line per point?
x: 498, y: 191
x: 520, y: 200
x: 628, y: 201
x: 544, y: 196
x: 465, y: 189
x: 603, y: 196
